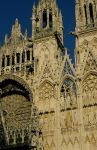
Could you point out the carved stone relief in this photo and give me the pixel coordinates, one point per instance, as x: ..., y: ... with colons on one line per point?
x: 90, y: 90
x: 46, y: 97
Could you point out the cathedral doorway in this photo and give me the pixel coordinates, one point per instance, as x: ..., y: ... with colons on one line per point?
x: 15, y: 115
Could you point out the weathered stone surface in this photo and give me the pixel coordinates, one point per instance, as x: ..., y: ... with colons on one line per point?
x: 45, y: 102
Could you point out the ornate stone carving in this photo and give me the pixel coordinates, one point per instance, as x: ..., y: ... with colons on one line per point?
x: 90, y: 90
x: 46, y: 96
x: 68, y: 93
x: 91, y: 63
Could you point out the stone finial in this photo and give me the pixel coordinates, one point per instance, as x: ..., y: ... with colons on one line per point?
x: 77, y: 1
x: 60, y: 18
x: 16, y: 22
x: 16, y: 29
x: 26, y: 34
x: 33, y: 9
x: 6, y: 39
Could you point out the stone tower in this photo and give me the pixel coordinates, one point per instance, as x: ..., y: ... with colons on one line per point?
x: 46, y: 26
x: 86, y: 69
x: 47, y: 35
x: 54, y: 79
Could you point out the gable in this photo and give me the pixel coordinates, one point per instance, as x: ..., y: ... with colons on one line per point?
x: 91, y: 63
x: 68, y: 69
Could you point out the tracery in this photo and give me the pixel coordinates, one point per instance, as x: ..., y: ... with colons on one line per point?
x: 90, y: 90
x: 68, y: 93
x: 46, y: 96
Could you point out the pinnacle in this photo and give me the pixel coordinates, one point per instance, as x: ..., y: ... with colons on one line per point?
x: 16, y: 20
x: 48, y: 1
x: 77, y: 1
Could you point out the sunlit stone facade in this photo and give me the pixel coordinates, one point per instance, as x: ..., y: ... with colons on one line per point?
x: 46, y: 102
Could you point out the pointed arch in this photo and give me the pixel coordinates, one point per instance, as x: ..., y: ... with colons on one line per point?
x: 67, y: 69
x: 89, y: 89
x: 89, y: 62
x: 52, y: 146
x: 46, y: 146
x: 50, y: 19
x: 46, y: 74
x: 19, y: 81
x: 3, y: 61
x: 46, y: 96
x: 44, y: 23
x: 68, y: 92
x: 76, y: 143
x: 91, y: 72
x: 15, y: 105
x: 85, y: 11
x: 70, y: 145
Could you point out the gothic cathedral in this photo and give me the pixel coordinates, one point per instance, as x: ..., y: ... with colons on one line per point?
x: 46, y: 102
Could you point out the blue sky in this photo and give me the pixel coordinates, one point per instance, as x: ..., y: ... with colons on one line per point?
x: 22, y: 9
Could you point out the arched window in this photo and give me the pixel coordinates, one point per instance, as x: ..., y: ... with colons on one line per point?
x: 18, y: 57
x: 85, y: 10
x: 23, y: 57
x: 8, y: 60
x: 13, y: 60
x: 28, y: 55
x: 91, y: 14
x: 50, y: 20
x: 44, y: 24
x: 3, y: 61
x: 37, y: 24
x: 69, y: 92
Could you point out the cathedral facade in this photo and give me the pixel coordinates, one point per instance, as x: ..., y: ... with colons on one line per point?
x: 46, y: 102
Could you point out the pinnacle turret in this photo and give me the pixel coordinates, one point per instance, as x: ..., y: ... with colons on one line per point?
x: 86, y: 13
x: 46, y: 18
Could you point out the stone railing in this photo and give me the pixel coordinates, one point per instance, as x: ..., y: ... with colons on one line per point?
x: 27, y: 68
x: 87, y: 27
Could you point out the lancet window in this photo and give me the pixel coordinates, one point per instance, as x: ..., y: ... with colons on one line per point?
x: 3, y: 61
x: 91, y: 13
x: 44, y: 19
x: 85, y: 10
x: 68, y: 92
x: 50, y: 19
